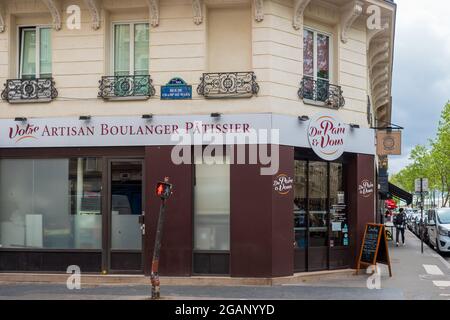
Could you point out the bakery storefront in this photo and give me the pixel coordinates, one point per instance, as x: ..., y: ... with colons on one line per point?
x: 81, y: 192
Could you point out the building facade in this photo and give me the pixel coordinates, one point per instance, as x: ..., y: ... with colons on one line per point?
x: 102, y: 99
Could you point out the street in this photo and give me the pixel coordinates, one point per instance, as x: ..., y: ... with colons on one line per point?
x: 415, y: 277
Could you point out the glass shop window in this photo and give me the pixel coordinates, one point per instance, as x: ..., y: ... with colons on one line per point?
x: 51, y: 203
x: 212, y: 206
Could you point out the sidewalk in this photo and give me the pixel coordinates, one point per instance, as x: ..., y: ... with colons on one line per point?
x: 415, y: 276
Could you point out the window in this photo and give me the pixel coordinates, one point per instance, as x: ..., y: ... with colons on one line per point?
x: 131, y: 49
x: 212, y: 206
x: 35, y: 52
x: 51, y: 203
x: 316, y: 55
x: 316, y: 64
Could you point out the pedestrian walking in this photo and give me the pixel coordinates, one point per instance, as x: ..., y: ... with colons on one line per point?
x: 400, y: 225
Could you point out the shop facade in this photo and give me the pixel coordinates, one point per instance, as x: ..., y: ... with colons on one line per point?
x: 76, y: 192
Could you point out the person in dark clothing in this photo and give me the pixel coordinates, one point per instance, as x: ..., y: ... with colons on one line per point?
x: 400, y: 225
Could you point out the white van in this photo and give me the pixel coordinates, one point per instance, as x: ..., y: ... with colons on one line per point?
x: 439, y: 229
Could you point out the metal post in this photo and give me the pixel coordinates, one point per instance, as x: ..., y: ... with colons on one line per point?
x: 155, y: 263
x: 421, y: 209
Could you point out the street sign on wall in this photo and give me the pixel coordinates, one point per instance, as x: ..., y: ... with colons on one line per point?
x: 176, y: 89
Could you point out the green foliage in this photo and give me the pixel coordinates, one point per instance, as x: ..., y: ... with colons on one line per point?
x: 431, y: 162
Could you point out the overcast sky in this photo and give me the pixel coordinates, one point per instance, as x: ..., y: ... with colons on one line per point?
x: 421, y: 80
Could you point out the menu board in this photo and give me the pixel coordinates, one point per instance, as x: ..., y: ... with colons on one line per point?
x: 374, y: 248
x: 370, y: 244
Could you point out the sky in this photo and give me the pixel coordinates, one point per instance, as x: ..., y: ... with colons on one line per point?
x: 421, y: 76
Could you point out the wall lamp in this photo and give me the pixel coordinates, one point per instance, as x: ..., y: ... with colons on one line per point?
x: 85, y: 118
x: 215, y: 115
x: 20, y: 119
x: 147, y: 116
x: 303, y: 118
x: 354, y: 126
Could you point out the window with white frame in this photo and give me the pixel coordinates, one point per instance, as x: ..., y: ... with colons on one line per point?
x: 131, y: 49
x: 316, y: 55
x: 35, y: 52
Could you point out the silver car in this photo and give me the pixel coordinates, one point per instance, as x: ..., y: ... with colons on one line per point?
x: 439, y: 229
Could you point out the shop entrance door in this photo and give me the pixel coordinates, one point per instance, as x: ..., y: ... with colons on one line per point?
x: 124, y: 239
x: 320, y: 219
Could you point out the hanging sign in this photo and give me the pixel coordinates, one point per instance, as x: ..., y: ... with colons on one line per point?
x: 389, y: 143
x: 327, y: 136
x: 374, y: 248
x: 176, y: 89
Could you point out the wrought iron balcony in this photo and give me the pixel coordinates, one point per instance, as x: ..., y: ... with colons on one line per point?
x: 321, y: 92
x: 29, y: 90
x: 126, y: 87
x: 228, y: 85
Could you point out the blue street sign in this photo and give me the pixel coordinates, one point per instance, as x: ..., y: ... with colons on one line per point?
x: 176, y: 89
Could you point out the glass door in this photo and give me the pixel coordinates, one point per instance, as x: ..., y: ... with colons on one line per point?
x: 126, y: 203
x: 300, y: 215
x: 321, y: 226
x: 317, y: 215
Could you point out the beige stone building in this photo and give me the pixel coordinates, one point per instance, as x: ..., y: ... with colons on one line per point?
x: 89, y: 83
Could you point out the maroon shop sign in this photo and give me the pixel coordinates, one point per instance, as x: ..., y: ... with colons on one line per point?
x: 366, y: 188
x: 283, y: 184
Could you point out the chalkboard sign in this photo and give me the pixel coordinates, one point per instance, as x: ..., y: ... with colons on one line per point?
x: 374, y: 248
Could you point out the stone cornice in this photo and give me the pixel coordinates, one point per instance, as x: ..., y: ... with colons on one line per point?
x: 94, y: 10
x: 349, y: 15
x: 197, y: 11
x: 153, y: 6
x: 55, y: 11
x: 2, y: 19
x: 259, y: 10
x: 299, y: 10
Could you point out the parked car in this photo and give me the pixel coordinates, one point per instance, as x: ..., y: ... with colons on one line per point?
x: 411, y: 217
x: 426, y: 236
x: 439, y: 229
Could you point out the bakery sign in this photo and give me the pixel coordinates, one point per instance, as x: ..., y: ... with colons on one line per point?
x: 327, y: 136
x: 283, y: 184
x: 389, y: 142
x: 366, y: 188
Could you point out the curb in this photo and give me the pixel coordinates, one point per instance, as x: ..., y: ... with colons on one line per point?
x: 92, y: 279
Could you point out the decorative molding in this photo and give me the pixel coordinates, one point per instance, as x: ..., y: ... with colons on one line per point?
x: 153, y: 6
x: 378, y: 47
x: 197, y: 9
x: 372, y: 34
x: 349, y: 15
x: 299, y: 10
x: 380, y: 103
x: 380, y: 58
x: 259, y: 10
x: 94, y: 10
x: 55, y: 11
x: 2, y: 20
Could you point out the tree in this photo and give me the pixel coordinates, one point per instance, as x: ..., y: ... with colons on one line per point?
x: 432, y: 162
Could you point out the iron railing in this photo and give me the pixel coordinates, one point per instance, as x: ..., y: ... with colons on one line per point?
x: 29, y: 90
x: 126, y: 87
x: 228, y: 85
x: 321, y: 91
